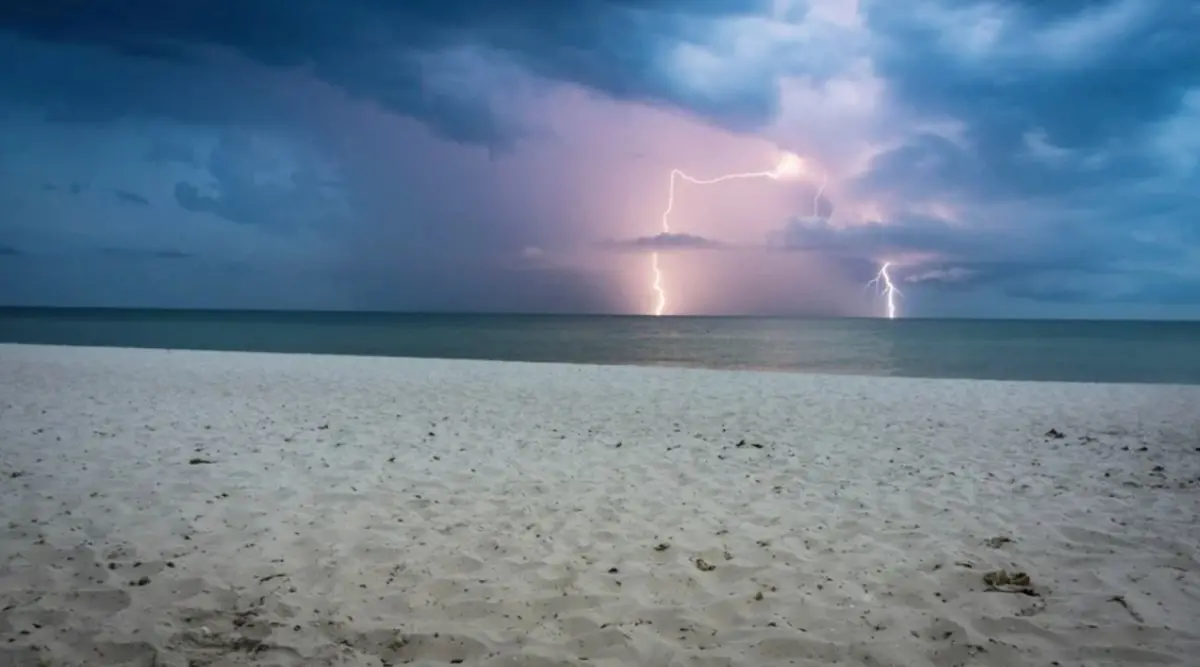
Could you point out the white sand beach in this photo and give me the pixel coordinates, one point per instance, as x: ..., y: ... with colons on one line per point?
x: 200, y: 508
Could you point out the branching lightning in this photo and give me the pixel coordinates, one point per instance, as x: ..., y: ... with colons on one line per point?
x: 887, y: 289
x: 790, y: 166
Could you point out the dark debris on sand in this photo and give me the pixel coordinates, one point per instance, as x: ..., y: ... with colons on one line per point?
x: 1003, y: 581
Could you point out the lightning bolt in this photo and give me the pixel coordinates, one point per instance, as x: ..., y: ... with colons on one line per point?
x: 790, y: 166
x: 883, y: 281
x: 817, y: 197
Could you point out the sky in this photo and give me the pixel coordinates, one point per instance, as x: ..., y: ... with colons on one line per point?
x: 1007, y: 158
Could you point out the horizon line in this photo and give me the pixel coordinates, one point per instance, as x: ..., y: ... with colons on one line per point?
x: 67, y: 310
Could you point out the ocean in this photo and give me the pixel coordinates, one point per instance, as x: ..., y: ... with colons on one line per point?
x: 1040, y: 350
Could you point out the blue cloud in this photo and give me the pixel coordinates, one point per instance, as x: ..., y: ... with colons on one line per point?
x: 619, y: 47
x: 1061, y: 134
x: 1086, y: 73
x: 131, y: 197
x: 238, y: 193
x: 145, y: 254
x: 1062, y: 118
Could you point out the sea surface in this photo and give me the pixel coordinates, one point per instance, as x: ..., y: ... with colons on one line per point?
x: 1079, y: 351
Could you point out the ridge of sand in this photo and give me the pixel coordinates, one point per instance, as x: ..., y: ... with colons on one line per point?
x: 200, y: 508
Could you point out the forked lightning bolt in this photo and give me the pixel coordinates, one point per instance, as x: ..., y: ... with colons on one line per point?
x: 790, y: 166
x: 883, y: 281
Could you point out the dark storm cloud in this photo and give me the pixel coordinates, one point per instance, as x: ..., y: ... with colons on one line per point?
x: 1065, y: 115
x: 666, y: 242
x: 372, y: 48
x: 1051, y: 220
x: 1059, y: 97
x: 929, y: 165
x: 1008, y: 247
x: 1094, y: 93
x: 74, y: 83
x: 1043, y: 138
x: 1149, y: 287
x: 1169, y: 290
x: 237, y: 195
x: 73, y: 188
x: 131, y: 197
x: 145, y: 254
x: 877, y: 239
x: 167, y: 152
x: 1021, y: 261
x: 1058, y: 153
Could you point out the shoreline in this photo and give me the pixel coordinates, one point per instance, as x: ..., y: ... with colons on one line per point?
x: 758, y: 370
x: 167, y: 506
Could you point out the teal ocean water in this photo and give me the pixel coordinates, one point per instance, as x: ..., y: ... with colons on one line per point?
x: 1082, y: 351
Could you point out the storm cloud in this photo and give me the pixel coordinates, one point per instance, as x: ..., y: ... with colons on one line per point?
x: 666, y: 242
x: 466, y: 154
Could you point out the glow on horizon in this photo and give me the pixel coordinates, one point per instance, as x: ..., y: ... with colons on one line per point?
x: 790, y: 166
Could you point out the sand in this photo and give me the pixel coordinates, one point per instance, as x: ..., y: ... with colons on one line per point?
x: 197, y: 508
